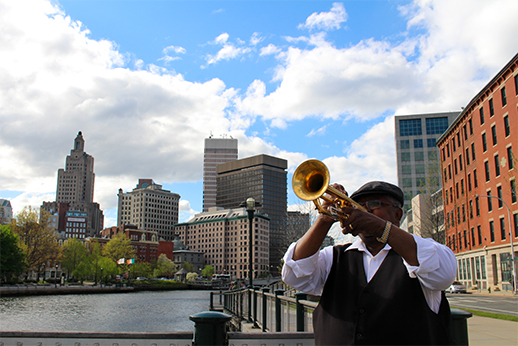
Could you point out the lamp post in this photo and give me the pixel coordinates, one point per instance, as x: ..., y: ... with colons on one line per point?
x: 56, y: 277
x: 101, y: 276
x: 510, y: 236
x: 250, y: 205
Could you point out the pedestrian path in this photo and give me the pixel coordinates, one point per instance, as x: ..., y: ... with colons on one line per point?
x: 485, y: 331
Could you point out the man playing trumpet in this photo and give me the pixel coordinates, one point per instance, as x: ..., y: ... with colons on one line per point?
x: 383, y: 289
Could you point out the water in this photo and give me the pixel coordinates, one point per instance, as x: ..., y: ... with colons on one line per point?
x: 164, y: 311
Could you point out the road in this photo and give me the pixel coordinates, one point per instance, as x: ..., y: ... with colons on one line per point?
x: 491, y: 303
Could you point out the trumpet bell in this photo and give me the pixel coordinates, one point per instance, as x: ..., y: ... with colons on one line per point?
x: 310, y: 180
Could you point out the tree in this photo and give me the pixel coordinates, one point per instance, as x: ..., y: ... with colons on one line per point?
x: 165, y: 267
x: 207, y: 271
x: 191, y: 276
x: 188, y: 266
x: 141, y: 269
x: 12, y: 258
x: 119, y: 247
x: 73, y: 254
x: 37, y: 239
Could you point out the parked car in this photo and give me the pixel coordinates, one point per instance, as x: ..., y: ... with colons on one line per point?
x: 456, y: 287
x: 141, y: 278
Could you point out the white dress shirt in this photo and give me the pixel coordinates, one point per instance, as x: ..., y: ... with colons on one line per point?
x: 436, y: 271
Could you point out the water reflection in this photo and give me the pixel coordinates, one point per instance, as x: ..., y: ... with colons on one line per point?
x: 118, y: 312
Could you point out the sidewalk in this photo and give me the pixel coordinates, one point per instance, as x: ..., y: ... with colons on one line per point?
x: 484, y: 331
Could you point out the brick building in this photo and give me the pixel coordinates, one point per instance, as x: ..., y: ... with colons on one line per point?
x: 147, y: 244
x: 479, y: 183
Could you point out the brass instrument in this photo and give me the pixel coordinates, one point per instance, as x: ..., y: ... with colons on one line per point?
x: 311, y: 182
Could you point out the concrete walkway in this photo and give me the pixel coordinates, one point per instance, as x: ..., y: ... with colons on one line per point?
x: 485, y: 331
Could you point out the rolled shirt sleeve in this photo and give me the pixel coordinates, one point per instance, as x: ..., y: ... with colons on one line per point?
x: 437, y: 264
x: 308, y: 274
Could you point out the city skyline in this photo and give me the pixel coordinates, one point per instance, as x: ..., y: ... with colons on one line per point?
x: 146, y: 82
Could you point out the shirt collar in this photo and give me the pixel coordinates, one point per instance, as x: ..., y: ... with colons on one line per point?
x: 360, y: 246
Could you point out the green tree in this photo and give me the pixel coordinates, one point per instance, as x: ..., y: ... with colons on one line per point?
x: 12, y: 258
x: 165, y: 267
x: 188, y: 266
x: 37, y: 239
x: 207, y: 271
x: 73, y: 254
x: 141, y: 269
x: 191, y: 276
x: 119, y: 247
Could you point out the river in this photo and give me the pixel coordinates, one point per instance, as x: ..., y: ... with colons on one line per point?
x: 163, y: 311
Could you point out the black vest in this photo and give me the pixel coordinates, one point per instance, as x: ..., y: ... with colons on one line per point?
x: 389, y: 310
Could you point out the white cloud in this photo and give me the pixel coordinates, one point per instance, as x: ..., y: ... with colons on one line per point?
x: 221, y: 39
x: 256, y: 39
x: 317, y: 132
x: 331, y: 20
x: 269, y: 50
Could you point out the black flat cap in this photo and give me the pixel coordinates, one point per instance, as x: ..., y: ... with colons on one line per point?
x: 379, y: 188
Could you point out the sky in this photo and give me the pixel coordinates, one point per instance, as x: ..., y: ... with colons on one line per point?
x: 147, y: 81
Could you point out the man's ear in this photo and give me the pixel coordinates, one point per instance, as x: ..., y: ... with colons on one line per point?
x: 399, y: 215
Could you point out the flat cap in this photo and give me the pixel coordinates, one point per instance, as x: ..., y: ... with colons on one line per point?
x: 379, y: 188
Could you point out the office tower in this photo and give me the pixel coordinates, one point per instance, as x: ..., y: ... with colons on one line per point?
x: 297, y: 224
x: 149, y: 207
x: 417, y: 154
x: 6, y: 211
x: 264, y: 178
x: 478, y: 164
x: 223, y: 236
x: 217, y: 151
x: 75, y: 192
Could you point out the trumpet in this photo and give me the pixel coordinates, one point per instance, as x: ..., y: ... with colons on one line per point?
x: 311, y: 183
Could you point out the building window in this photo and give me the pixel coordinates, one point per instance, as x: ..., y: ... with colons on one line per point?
x: 469, y: 182
x: 493, y: 133
x: 499, y: 194
x: 418, y: 143
x: 502, y: 228
x: 411, y: 127
x: 456, y: 167
x: 467, y: 156
x: 479, y: 233
x: 460, y: 162
x: 404, y: 144
x: 489, y: 202
x: 513, y: 190
x: 431, y: 142
x: 464, y: 128
x: 470, y: 126
x: 506, y: 126
x: 475, y: 180
x: 477, y: 206
x: 491, y: 109
x: 432, y: 155
x: 504, y: 96
x: 492, y: 231
x: 484, y: 142
x: 435, y: 126
x: 473, y: 151
x: 419, y: 169
x: 486, y: 165
x: 419, y: 156
x: 510, y: 157
x: 407, y: 182
x: 516, y: 84
x: 481, y: 115
x: 406, y: 169
x: 497, y: 166
x: 448, y: 149
x: 515, y: 216
x: 405, y: 157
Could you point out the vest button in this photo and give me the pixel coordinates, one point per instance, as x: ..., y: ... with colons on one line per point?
x: 361, y: 311
x: 359, y: 336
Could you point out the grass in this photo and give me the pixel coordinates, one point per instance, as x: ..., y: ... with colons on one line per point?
x: 490, y: 314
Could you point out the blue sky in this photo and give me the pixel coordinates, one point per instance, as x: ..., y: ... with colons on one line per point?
x: 147, y: 81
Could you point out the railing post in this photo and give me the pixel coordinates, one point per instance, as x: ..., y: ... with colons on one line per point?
x: 278, y: 311
x: 265, y: 306
x: 255, y: 307
x: 300, y: 310
x: 210, y: 328
x: 211, y: 301
x: 459, y: 326
x: 220, y: 297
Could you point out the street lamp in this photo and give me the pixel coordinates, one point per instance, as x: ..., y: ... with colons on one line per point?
x: 510, y: 236
x: 101, y: 276
x: 250, y: 205
x: 56, y: 277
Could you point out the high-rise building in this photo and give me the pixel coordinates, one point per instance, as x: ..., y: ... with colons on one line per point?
x: 297, y: 224
x: 217, y: 151
x: 149, y: 207
x: 478, y: 165
x: 223, y: 236
x: 6, y: 211
x: 75, y: 191
x: 264, y: 178
x: 417, y: 154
